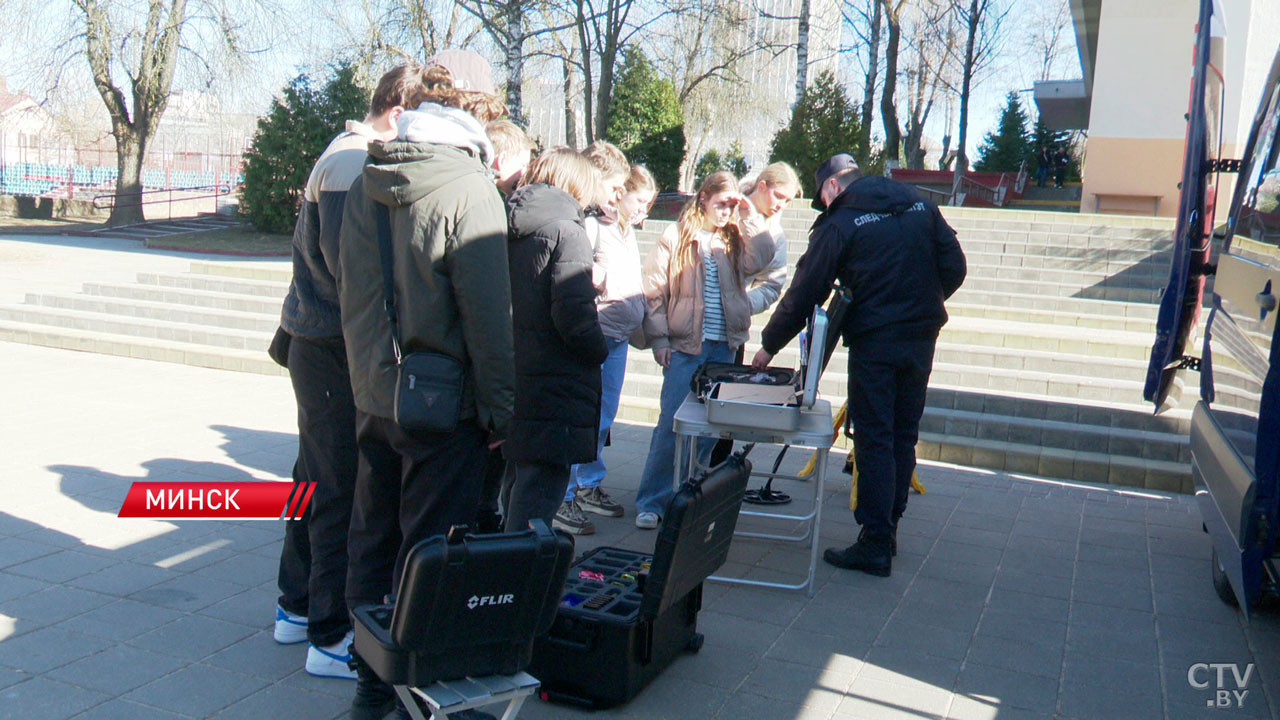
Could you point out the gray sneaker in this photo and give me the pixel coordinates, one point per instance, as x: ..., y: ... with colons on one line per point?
x: 595, y: 500
x: 572, y: 520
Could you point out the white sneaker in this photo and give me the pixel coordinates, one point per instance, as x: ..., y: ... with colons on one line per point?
x: 290, y: 628
x: 647, y: 520
x: 331, y: 660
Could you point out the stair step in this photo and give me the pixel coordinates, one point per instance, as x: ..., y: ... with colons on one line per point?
x: 279, y: 272
x: 138, y: 347
x: 139, y: 327
x: 195, y: 298
x: 1075, y: 465
x: 254, y: 322
x: 259, y: 288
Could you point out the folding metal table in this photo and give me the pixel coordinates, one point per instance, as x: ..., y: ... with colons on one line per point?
x: 813, y: 431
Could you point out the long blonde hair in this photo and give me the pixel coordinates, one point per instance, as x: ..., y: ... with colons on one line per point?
x: 566, y: 169
x: 691, y: 220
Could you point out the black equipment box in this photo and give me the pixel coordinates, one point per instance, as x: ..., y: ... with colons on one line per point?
x: 625, y: 616
x: 469, y: 605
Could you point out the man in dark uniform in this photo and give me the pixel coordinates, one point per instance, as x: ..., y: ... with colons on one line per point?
x: 900, y: 260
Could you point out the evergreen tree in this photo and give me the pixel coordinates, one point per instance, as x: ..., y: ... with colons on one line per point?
x: 734, y: 161
x: 823, y: 124
x: 1005, y: 149
x: 288, y: 141
x: 1054, y: 139
x: 645, y: 118
x: 709, y: 163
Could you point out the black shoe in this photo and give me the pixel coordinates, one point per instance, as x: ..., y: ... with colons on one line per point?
x: 374, y: 698
x: 872, y: 554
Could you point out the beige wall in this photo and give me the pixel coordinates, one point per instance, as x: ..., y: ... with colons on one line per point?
x: 1141, y: 87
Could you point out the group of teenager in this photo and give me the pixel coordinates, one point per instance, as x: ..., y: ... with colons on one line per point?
x: 431, y: 227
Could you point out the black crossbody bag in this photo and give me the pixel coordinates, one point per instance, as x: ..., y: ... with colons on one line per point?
x: 428, y: 384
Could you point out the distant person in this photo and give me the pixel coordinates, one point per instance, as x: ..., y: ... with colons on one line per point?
x: 900, y: 260
x: 555, y: 327
x: 770, y: 193
x: 695, y: 283
x: 1044, y: 162
x: 1061, y: 159
x: 448, y: 236
x: 313, y: 560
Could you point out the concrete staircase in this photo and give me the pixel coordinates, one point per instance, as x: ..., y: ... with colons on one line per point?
x: 1048, y: 198
x: 1040, y: 369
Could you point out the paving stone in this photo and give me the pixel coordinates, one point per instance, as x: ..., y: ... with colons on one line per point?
x: 125, y: 710
x: 1088, y: 669
x: 909, y: 668
x: 1128, y: 596
x: 721, y: 666
x: 254, y: 607
x: 670, y: 696
x: 123, y: 578
x: 1005, y: 688
x: 1003, y: 624
x: 61, y: 566
x: 53, y: 604
x: 120, y: 620
x: 1104, y: 703
x: 198, y: 690
x: 280, y: 701
x: 1034, y: 583
x: 44, y: 699
x: 924, y: 700
x: 846, y: 623
x: 1136, y: 642
x: 1028, y: 604
x: 192, y: 637
x: 821, y: 650
x: 116, y: 670
x: 940, y: 612
x: 15, y: 551
x: 1022, y: 656
x: 755, y: 637
x: 187, y: 592
x: 929, y: 639
x: 47, y: 648
x: 980, y: 708
x: 14, y: 586
x: 244, y: 569
x: 800, y: 684
x: 749, y: 706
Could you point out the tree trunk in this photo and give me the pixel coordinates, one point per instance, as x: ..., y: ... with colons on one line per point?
x: 873, y: 69
x: 515, y: 59
x: 130, y: 149
x: 962, y: 158
x: 802, y: 51
x: 570, y: 113
x: 888, y: 109
x: 589, y: 114
x: 604, y: 92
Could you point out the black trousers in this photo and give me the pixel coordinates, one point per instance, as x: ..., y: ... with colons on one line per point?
x: 313, y: 560
x: 532, y: 490
x: 887, y: 382
x: 409, y: 486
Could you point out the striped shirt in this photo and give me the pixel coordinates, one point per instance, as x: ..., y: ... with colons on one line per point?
x: 712, y: 310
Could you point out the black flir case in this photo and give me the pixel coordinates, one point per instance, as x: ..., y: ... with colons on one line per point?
x: 470, y: 605
x: 625, y: 616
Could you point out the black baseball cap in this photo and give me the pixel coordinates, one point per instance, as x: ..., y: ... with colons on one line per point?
x: 825, y: 171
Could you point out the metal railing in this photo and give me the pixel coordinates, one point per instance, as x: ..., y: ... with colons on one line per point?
x: 107, y: 201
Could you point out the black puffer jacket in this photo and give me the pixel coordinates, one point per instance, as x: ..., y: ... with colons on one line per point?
x: 893, y: 251
x: 558, y: 343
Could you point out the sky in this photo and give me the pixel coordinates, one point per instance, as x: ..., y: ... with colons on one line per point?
x: 281, y: 51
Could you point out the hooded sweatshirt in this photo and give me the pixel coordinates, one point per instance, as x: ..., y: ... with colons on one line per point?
x: 449, y: 247
x: 892, y: 250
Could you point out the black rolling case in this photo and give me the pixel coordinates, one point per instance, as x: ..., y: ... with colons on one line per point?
x: 625, y: 616
x: 469, y: 606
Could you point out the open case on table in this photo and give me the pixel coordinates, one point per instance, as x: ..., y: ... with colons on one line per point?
x: 626, y: 615
x: 772, y: 398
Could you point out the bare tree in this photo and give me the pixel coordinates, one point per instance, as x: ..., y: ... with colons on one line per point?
x: 1049, y: 21
x: 888, y: 107
x: 133, y: 52
x: 864, y: 18
x: 931, y: 48
x: 402, y: 30
x: 982, y: 21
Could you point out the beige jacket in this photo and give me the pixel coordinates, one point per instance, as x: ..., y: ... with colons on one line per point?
x: 675, y: 304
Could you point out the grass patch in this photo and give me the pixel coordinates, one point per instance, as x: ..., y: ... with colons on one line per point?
x: 243, y: 240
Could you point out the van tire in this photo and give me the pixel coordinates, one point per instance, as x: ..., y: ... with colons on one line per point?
x: 1220, y: 583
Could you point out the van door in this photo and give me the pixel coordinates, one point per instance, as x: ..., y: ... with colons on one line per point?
x: 1180, y: 304
x: 1235, y: 430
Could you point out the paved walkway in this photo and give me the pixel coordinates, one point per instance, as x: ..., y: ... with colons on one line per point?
x: 1012, y: 597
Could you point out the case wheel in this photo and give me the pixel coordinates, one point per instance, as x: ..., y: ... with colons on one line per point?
x: 695, y: 642
x: 1220, y: 583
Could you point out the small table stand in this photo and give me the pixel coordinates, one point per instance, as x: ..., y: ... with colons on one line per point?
x: 450, y: 696
x: 814, y: 431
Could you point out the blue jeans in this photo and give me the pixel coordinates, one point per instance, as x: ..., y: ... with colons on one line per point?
x: 657, y: 482
x: 614, y: 368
